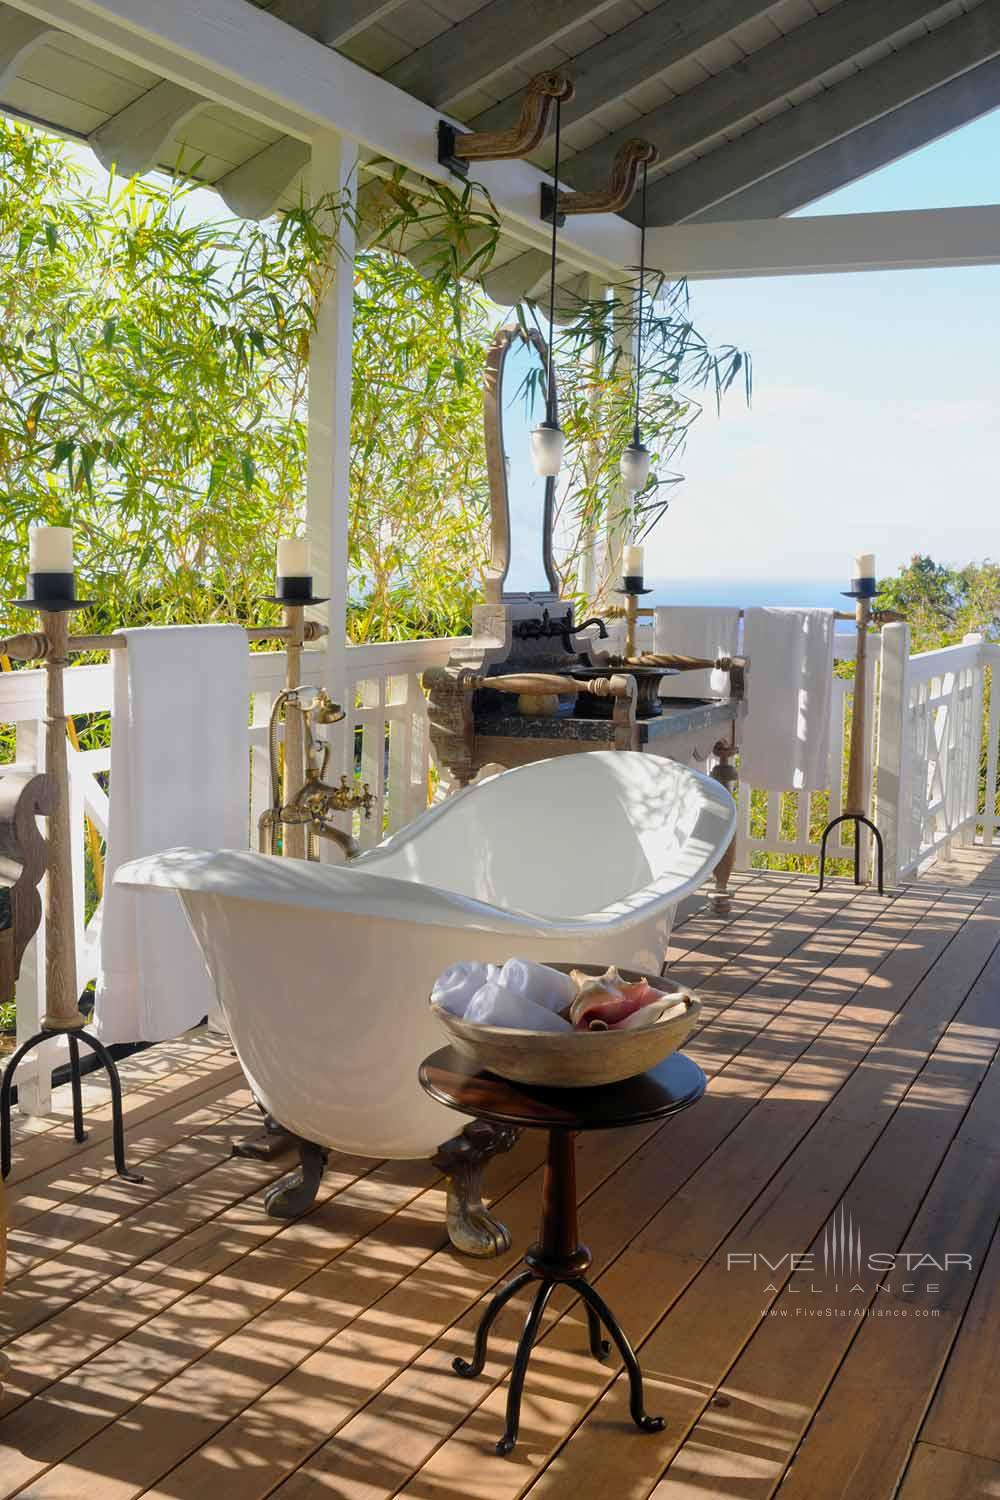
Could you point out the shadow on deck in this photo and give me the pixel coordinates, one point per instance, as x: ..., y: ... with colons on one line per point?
x: 168, y: 1339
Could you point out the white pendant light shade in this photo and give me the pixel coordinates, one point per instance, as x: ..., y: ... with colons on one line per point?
x: 547, y: 448
x: 635, y: 466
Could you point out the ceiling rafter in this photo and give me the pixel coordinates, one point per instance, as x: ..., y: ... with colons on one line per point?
x: 20, y: 36
x: 332, y: 22
x: 243, y: 59
x: 925, y: 119
x: 734, y: 95
x: 866, y: 96
x: 497, y: 36
x: 647, y: 46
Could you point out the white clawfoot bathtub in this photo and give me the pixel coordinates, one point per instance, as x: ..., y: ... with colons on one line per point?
x: 323, y: 972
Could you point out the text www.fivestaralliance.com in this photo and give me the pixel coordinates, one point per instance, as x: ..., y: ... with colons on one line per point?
x: 851, y: 1312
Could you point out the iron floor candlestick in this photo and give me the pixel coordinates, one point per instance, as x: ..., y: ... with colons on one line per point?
x: 862, y: 592
x: 53, y: 595
x: 559, y: 1258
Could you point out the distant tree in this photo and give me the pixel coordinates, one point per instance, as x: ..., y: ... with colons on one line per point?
x: 942, y: 604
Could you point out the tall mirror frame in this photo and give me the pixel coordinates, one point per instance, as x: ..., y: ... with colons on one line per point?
x: 506, y: 339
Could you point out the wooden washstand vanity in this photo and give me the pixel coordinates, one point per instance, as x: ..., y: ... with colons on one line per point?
x: 531, y: 683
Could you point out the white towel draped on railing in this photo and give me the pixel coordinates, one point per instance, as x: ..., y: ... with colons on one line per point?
x: 785, y: 741
x: 704, y: 630
x: 178, y: 776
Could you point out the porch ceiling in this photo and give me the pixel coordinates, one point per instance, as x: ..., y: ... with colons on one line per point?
x: 757, y: 108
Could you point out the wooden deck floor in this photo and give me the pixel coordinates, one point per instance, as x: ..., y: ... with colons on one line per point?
x: 168, y: 1339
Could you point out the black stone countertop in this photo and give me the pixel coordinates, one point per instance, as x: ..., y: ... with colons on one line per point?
x: 684, y: 716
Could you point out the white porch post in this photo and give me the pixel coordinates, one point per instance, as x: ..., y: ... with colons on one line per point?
x: 892, y: 812
x: 333, y: 171
x: 971, y: 728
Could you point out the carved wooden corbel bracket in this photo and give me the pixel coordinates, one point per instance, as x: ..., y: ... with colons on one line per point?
x: 456, y: 148
x: 617, y: 194
x: 23, y: 858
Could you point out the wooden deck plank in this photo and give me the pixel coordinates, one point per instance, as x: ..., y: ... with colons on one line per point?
x: 167, y: 1425
x: 943, y: 1474
x: 685, y: 1138
x: 111, y: 1200
x: 741, y: 1041
x: 772, y: 1390
x: 712, y: 1312
x: 188, y: 1348
x: 963, y: 1414
x: 92, y: 1166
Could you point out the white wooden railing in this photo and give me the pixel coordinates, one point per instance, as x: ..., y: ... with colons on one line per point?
x: 931, y: 721
x: 927, y: 733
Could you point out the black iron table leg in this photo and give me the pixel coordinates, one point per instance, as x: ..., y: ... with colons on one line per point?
x: 474, y: 1366
x: 600, y: 1347
x: 637, y: 1404
x: 520, y: 1369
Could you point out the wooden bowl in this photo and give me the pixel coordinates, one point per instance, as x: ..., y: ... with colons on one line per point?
x: 578, y: 1059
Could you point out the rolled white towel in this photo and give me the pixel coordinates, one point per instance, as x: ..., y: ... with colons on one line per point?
x: 494, y: 1005
x: 538, y: 983
x: 454, y: 989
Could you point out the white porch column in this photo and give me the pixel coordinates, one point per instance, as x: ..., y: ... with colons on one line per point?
x: 332, y: 171
x: 892, y: 811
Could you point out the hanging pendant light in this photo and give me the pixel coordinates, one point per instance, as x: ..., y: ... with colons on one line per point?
x: 547, y: 439
x: 635, y: 459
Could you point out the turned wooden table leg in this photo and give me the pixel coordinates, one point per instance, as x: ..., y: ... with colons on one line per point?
x: 726, y: 774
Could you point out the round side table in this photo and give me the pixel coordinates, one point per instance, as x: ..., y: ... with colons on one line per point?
x: 558, y: 1257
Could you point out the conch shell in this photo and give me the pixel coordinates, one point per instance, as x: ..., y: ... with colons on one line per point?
x: 606, y: 1002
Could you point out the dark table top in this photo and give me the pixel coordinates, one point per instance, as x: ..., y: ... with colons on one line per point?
x: 671, y: 1086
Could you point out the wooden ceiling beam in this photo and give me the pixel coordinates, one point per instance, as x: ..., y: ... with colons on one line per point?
x: 926, y: 119
x: 826, y: 244
x: 332, y: 22
x: 139, y: 136
x: 497, y: 36
x: 755, y: 82
x: 647, y: 46
x: 915, y: 70
x: 20, y: 36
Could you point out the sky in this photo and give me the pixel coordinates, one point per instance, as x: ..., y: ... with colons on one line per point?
x: 873, y: 423
x: 873, y: 426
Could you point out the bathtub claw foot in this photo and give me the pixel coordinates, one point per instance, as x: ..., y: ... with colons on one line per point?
x: 295, y: 1193
x: 472, y: 1229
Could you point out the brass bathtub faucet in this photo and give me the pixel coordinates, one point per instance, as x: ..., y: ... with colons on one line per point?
x: 314, y: 804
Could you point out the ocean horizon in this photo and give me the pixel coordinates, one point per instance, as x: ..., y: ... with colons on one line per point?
x: 745, y: 593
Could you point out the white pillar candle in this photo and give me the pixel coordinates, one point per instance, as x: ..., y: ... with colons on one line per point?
x: 864, y: 565
x: 50, y: 549
x: 632, y: 567
x: 293, y: 557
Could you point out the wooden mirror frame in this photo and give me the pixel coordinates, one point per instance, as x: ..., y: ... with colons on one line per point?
x: 496, y: 470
